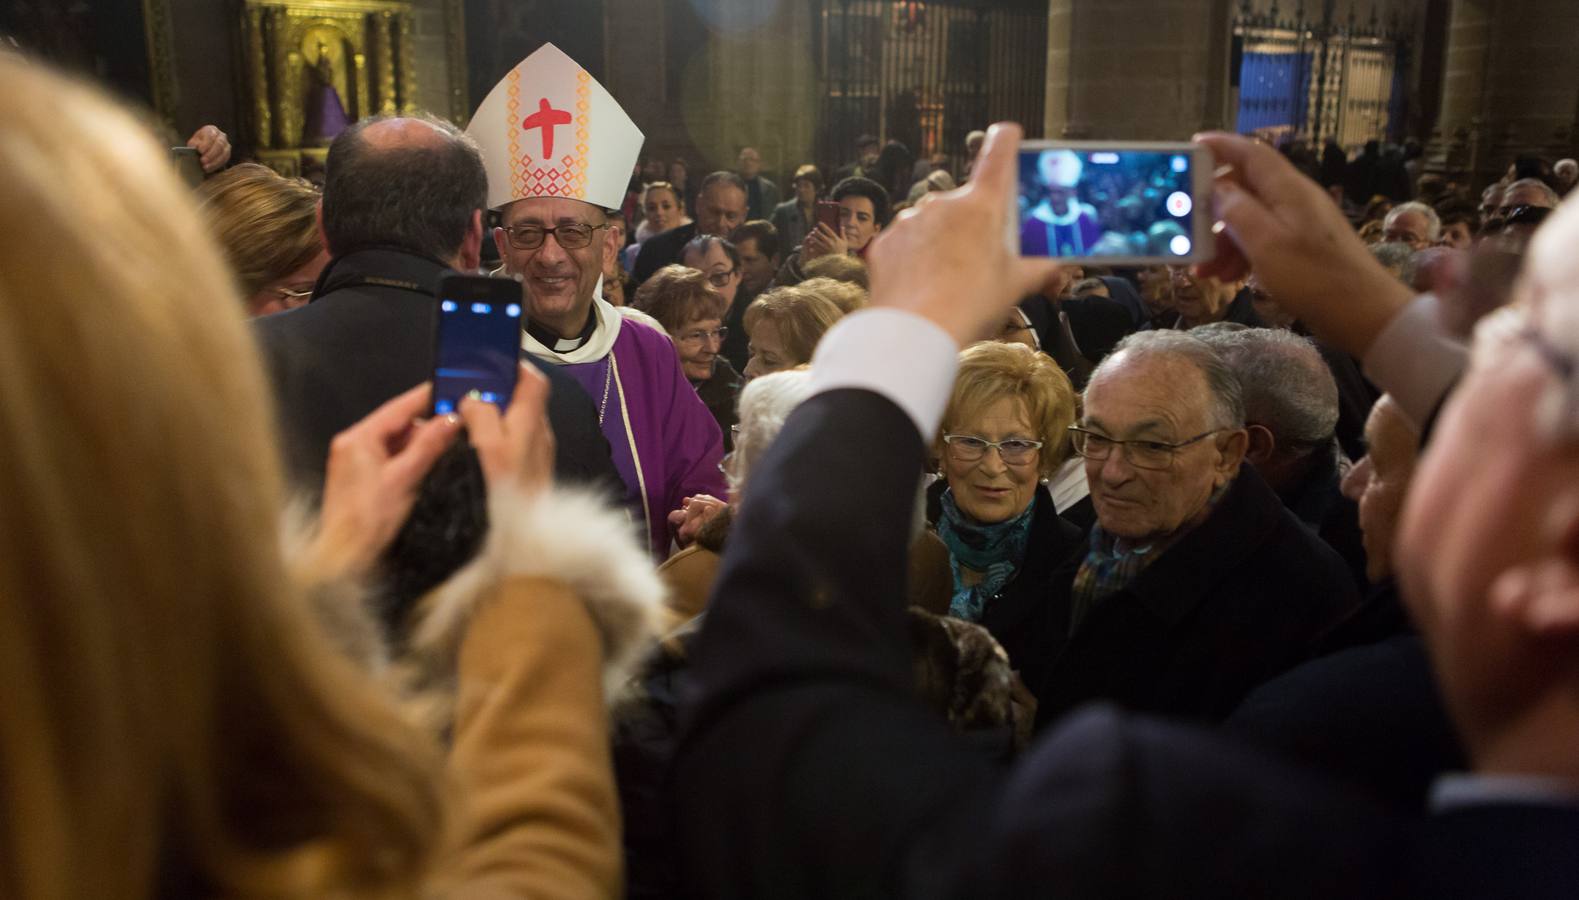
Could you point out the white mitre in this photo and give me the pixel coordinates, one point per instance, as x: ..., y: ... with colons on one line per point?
x: 548, y: 129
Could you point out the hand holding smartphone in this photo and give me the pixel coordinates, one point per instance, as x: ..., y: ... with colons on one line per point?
x: 828, y: 214
x: 1115, y: 203
x: 478, y: 341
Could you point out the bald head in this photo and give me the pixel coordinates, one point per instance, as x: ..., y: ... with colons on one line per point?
x: 406, y: 132
x: 413, y: 182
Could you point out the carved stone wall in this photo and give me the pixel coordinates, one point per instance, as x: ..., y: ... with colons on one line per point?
x: 1511, y: 86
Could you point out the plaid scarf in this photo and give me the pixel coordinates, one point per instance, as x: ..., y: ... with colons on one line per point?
x: 1106, y: 570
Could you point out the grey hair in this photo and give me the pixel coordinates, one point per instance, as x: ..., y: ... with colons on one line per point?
x: 1288, y: 388
x: 765, y: 403
x: 1393, y: 255
x: 1227, y: 395
x: 1536, y: 185
x: 1433, y: 222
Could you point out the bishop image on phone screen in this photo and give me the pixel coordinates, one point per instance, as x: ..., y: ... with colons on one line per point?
x: 1113, y: 203
x: 479, y: 343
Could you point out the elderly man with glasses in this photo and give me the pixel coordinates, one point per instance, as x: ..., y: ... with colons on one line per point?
x: 1197, y: 585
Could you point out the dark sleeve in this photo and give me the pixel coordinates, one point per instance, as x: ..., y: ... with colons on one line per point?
x: 807, y: 765
x: 656, y: 252
x: 790, y: 273
x: 581, y: 452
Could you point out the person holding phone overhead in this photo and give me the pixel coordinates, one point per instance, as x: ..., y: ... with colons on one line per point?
x: 553, y: 181
x: 862, y: 212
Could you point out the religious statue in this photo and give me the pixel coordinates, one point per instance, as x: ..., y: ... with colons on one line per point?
x: 325, y: 113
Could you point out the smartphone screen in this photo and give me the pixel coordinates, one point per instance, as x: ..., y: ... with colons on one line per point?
x: 479, y: 341
x: 1131, y: 204
x: 828, y: 214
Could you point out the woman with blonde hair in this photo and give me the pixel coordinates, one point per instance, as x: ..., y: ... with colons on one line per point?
x: 178, y: 721
x: 267, y: 226
x: 784, y: 325
x: 1013, y: 557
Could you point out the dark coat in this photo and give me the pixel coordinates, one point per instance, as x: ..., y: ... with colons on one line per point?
x: 662, y: 249
x: 807, y: 767
x: 792, y: 225
x: 721, y: 393
x: 1024, y: 616
x: 1316, y: 500
x: 1236, y: 601
x: 357, y: 344
x: 737, y: 346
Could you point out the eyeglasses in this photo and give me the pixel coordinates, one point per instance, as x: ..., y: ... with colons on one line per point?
x: 570, y: 235
x: 968, y: 448
x: 1140, y: 454
x: 292, y: 294
x: 696, y: 337
x: 1514, y: 215
x: 721, y: 279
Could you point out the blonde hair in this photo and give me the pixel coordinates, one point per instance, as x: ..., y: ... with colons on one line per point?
x: 847, y: 296
x: 173, y: 714
x: 266, y: 224
x: 802, y: 318
x: 991, y: 371
x: 839, y: 267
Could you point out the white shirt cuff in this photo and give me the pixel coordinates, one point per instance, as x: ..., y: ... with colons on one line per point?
x: 900, y: 355
x: 1415, y: 360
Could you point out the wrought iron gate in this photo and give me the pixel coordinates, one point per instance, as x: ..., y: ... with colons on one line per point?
x: 927, y: 73
x: 1320, y: 78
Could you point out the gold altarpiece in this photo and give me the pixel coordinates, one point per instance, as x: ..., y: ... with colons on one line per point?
x: 292, y: 49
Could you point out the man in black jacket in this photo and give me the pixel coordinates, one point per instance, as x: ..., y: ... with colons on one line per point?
x: 402, y: 204
x: 720, y: 209
x: 808, y: 768
x: 1198, y: 584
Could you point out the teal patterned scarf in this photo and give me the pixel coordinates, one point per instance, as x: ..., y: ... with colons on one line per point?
x: 995, y: 550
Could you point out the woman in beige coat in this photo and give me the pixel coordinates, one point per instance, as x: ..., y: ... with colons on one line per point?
x: 178, y: 722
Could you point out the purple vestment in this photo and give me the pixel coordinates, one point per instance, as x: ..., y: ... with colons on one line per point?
x: 650, y: 412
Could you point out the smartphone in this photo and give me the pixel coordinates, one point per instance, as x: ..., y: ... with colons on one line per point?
x: 828, y: 214
x: 1117, y: 203
x: 189, y: 163
x: 478, y: 338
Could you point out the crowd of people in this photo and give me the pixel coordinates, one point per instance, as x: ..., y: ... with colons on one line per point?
x: 816, y: 554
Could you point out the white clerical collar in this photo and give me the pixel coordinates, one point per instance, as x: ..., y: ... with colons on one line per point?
x: 594, y: 349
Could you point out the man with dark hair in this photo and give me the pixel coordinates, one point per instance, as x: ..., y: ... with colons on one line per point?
x: 761, y: 194
x: 1459, y: 223
x: 867, y: 149
x: 757, y: 242
x: 402, y: 204
x: 795, y: 217
x: 863, y: 211
x: 720, y: 209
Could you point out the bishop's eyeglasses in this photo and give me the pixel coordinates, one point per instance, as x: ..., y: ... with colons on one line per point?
x: 570, y: 235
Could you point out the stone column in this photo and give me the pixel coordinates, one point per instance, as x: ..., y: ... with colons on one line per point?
x: 258, y: 75
x: 1510, y: 86
x: 408, y: 63
x: 384, y: 62
x: 1107, y: 78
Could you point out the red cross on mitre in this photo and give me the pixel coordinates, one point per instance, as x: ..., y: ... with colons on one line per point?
x: 546, y: 118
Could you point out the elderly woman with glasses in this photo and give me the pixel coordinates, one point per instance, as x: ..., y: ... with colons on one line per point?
x: 691, y: 310
x: 1012, y: 556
